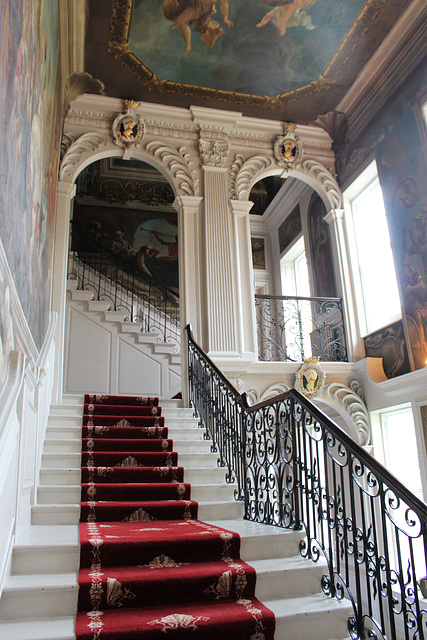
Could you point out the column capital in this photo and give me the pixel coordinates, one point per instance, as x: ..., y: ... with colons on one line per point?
x: 187, y: 204
x: 241, y: 207
x: 66, y: 189
x: 334, y: 215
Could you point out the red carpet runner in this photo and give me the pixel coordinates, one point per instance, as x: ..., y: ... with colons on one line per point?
x: 148, y: 567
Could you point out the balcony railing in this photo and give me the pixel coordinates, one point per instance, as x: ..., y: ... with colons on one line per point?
x: 294, y: 328
x: 294, y: 468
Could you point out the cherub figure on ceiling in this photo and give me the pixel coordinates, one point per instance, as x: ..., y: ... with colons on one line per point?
x: 288, y: 13
x: 197, y: 13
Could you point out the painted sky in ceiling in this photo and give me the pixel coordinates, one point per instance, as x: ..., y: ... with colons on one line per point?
x: 271, y: 47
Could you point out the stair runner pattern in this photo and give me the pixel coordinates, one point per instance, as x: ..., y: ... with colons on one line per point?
x: 148, y: 567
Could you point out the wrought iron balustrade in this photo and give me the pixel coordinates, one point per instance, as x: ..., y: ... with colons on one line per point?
x: 294, y: 328
x: 127, y: 289
x: 295, y: 468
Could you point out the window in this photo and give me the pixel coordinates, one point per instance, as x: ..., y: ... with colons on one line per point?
x: 294, y: 271
x: 295, y: 283
x: 374, y: 274
x: 395, y: 445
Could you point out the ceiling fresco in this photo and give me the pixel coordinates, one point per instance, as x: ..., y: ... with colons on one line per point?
x: 262, y: 53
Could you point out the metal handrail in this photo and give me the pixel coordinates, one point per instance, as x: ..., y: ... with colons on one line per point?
x: 295, y: 468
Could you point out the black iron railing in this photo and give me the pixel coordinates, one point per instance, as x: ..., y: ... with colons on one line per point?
x: 294, y: 468
x: 127, y: 288
x: 294, y: 328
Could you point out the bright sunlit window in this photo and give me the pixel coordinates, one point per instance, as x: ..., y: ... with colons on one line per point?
x: 374, y: 272
x: 294, y: 271
x: 395, y: 445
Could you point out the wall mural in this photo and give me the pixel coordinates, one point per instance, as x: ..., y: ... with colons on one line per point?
x: 30, y: 108
x: 145, y: 240
x: 290, y: 229
x: 321, y: 250
x: 402, y: 170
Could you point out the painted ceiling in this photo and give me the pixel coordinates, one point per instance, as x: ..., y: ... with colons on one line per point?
x: 286, y: 59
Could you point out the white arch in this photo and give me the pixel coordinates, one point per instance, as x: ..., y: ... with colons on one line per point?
x: 245, y: 173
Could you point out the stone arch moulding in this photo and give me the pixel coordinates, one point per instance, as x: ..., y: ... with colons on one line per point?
x: 244, y: 174
x: 174, y: 164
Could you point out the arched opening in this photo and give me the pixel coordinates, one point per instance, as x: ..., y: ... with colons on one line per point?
x: 122, y: 313
x: 297, y: 284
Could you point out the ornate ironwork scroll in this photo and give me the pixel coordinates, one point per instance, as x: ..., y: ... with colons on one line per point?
x: 295, y: 468
x: 293, y: 328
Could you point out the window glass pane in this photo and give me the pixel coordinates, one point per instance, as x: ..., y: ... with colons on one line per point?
x: 377, y: 271
x: 400, y: 448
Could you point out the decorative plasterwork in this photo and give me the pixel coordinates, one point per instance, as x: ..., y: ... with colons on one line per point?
x: 85, y: 144
x: 324, y: 178
x: 179, y: 164
x: 351, y: 399
x: 273, y: 390
x: 243, y: 174
x: 214, y: 153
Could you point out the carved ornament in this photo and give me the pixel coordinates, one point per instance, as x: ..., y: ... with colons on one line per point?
x: 352, y: 399
x: 288, y: 148
x: 179, y: 164
x: 87, y: 143
x: 325, y: 179
x: 214, y: 153
x: 128, y: 128
x: 244, y: 173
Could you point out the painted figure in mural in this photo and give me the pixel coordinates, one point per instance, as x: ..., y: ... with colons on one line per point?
x: 145, y: 253
x: 413, y: 287
x: 286, y: 14
x: 172, y: 246
x: 120, y: 245
x: 197, y: 13
x: 418, y: 234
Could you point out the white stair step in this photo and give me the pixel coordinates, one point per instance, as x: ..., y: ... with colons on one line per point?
x: 224, y: 510
x: 45, y: 514
x: 67, y: 409
x: 99, y: 305
x: 48, y: 549
x: 67, y: 432
x: 197, y: 460
x: 39, y: 629
x: 115, y: 316
x: 61, y: 460
x: 65, y: 477
x: 67, y: 445
x: 261, y: 541
x: 39, y: 595
x: 65, y: 420
x: 314, y: 617
x: 287, y: 577
x: 203, y: 475
x: 84, y: 296
x: 57, y: 494
x: 131, y: 327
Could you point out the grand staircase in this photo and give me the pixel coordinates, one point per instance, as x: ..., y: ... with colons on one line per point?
x: 39, y: 601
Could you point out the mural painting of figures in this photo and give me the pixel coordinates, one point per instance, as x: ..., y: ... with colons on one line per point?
x: 227, y: 45
x: 288, y: 13
x: 197, y: 13
x: 402, y: 170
